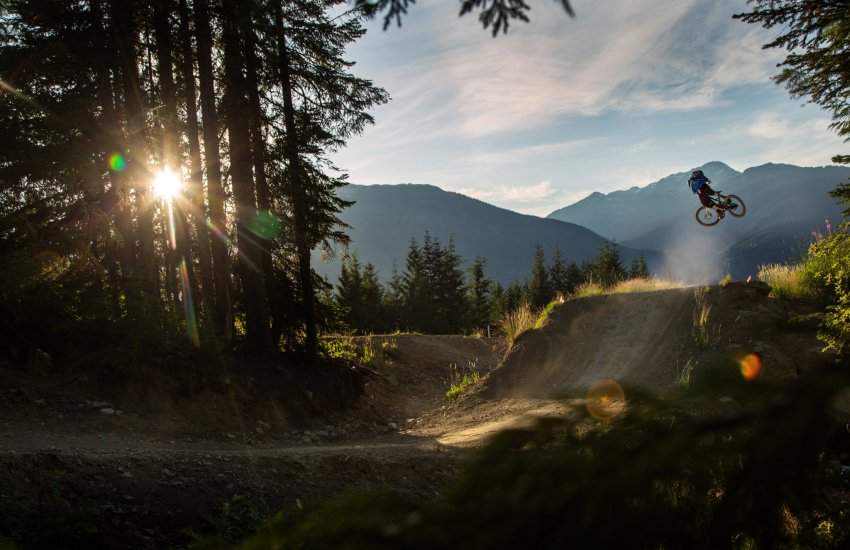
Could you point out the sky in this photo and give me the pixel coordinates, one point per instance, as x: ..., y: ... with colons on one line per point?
x: 624, y: 94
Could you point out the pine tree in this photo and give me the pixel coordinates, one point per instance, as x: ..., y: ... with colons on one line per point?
x: 417, y: 296
x: 575, y: 276
x: 514, y: 296
x: 559, y: 275
x: 539, y: 291
x: 606, y: 268
x: 237, y: 112
x: 479, y: 295
x: 212, y: 163
x: 449, y: 291
x: 816, y: 35
x: 322, y: 105
x: 498, y: 303
x: 359, y: 296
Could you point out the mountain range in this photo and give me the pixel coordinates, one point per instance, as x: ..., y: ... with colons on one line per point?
x: 785, y: 204
x: 384, y: 219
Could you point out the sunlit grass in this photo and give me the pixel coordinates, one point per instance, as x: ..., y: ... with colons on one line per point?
x: 786, y: 281
x: 589, y: 288
x: 701, y: 317
x: 645, y: 285
x: 514, y: 323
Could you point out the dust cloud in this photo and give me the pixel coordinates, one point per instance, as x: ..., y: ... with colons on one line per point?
x: 696, y: 257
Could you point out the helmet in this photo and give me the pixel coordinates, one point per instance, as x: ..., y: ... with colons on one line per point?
x: 697, y: 174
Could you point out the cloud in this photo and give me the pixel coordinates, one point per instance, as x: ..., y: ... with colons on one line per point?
x: 450, y: 79
x: 537, y: 200
x: 515, y: 193
x: 794, y: 141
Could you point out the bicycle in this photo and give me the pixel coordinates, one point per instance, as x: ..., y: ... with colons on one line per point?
x: 708, y: 216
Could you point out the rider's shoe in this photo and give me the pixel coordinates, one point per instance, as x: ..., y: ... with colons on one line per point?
x: 720, y: 214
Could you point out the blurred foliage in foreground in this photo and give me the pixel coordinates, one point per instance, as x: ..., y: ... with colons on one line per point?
x: 725, y: 463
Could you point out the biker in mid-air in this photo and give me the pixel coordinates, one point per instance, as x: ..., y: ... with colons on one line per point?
x: 699, y: 184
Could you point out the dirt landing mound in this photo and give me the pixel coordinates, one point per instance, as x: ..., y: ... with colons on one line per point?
x: 647, y: 339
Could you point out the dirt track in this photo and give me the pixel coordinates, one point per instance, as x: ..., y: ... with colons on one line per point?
x: 161, y: 477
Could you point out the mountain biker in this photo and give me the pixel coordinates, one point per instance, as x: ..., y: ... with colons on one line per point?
x: 699, y: 184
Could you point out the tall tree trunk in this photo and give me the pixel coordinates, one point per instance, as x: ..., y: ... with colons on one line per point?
x: 297, y: 185
x: 236, y: 114
x: 125, y: 36
x: 258, y: 151
x: 119, y: 194
x: 212, y: 157
x: 171, y: 159
x: 196, y: 188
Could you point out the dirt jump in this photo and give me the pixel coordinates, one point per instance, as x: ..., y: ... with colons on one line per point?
x: 150, y: 473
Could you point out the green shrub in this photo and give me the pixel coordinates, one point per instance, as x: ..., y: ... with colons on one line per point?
x: 460, y: 386
x: 827, y: 269
x: 787, y: 281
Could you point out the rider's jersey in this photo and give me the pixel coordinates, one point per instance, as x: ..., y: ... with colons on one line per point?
x: 697, y: 182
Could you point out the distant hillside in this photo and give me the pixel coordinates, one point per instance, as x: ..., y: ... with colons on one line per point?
x: 785, y: 204
x: 385, y: 217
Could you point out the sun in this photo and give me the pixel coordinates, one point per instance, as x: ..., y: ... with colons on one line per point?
x: 166, y: 184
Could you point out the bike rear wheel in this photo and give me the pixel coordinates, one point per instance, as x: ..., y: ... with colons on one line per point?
x: 707, y: 216
x: 735, y: 206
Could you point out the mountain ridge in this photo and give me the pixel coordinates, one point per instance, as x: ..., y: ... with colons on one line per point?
x: 385, y: 218
x: 785, y: 203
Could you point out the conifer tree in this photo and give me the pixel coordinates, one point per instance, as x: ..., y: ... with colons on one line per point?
x: 559, y: 275
x: 449, y: 289
x: 607, y: 268
x: 498, y: 302
x: 479, y: 295
x: 816, y: 35
x: 417, y: 298
x: 539, y: 291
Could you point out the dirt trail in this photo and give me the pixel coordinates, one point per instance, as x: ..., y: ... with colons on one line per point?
x: 402, y: 433
x: 640, y: 340
x: 632, y: 338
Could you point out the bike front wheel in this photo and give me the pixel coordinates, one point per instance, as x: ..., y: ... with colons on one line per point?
x: 735, y: 206
x: 707, y: 216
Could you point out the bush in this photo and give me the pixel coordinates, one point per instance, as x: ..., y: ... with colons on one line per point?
x: 787, y: 281
x: 827, y: 269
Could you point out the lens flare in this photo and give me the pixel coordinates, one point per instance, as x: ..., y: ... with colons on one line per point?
x: 605, y: 400
x: 750, y: 366
x: 117, y: 163
x: 189, y: 306
x: 266, y: 225
x: 166, y: 183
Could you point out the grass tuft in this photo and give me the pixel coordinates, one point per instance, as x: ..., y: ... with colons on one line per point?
x: 701, y: 317
x: 513, y: 323
x: 589, y: 288
x: 787, y: 281
x: 645, y: 285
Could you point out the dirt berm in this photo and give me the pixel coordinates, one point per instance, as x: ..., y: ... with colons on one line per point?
x: 646, y: 339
